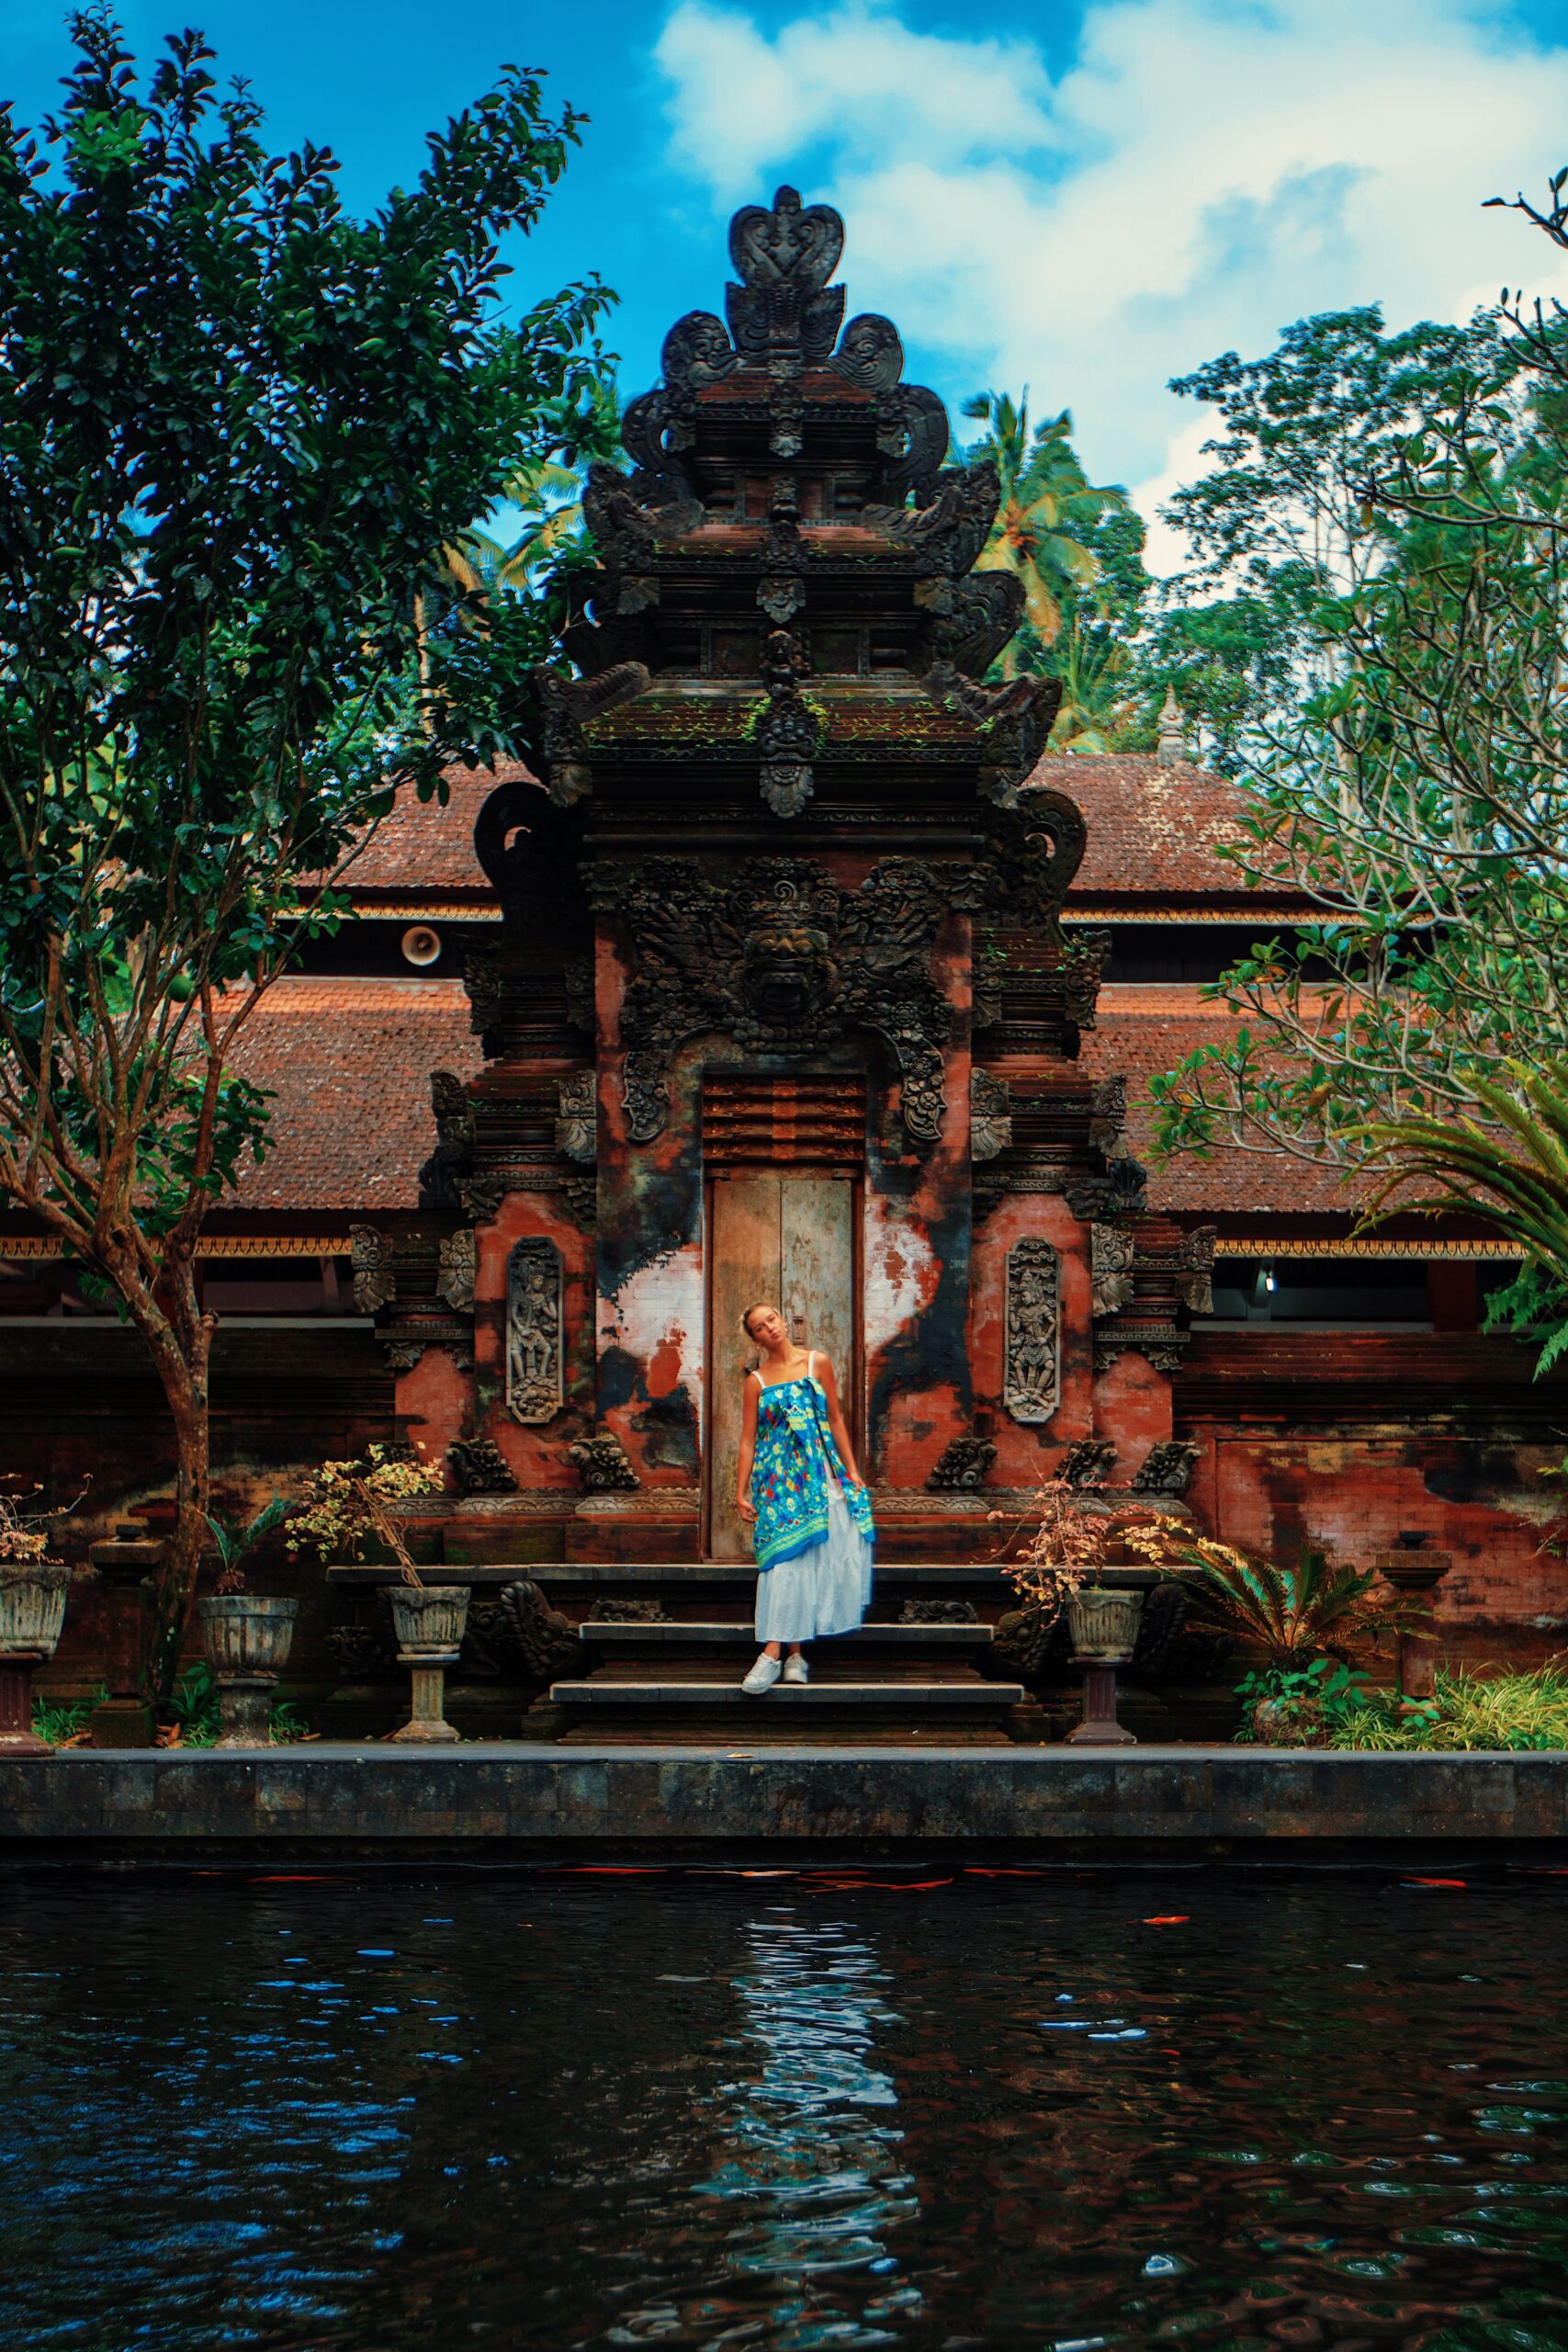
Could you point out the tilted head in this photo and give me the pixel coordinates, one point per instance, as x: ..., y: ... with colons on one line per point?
x: 766, y: 1326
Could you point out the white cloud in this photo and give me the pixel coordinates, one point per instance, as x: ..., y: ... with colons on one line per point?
x: 1202, y: 174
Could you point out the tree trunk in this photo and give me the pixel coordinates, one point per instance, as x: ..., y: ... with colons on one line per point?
x: 184, y: 1371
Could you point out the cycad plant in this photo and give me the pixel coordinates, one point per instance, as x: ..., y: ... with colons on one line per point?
x: 1516, y: 1178
x: 234, y: 1541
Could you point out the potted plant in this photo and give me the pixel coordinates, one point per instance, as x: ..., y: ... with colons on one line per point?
x: 1308, y: 1625
x: 1059, y: 1567
x: 345, y: 1511
x: 32, y: 1610
x: 247, y: 1636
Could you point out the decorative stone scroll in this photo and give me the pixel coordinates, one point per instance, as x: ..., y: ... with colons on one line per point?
x: 1032, y: 1384
x: 1111, y: 1253
x: 990, y: 1114
x: 535, y: 1366
x: 370, y: 1257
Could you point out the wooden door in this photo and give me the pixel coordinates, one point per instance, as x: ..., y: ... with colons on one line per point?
x: 772, y: 1240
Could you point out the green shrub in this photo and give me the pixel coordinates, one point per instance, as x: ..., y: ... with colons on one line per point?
x: 1470, y: 1711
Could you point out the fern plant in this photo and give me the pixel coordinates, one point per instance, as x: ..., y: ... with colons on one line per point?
x: 234, y: 1541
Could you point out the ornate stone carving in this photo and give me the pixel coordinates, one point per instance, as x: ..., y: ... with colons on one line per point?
x: 370, y: 1256
x: 1120, y: 1192
x: 547, y: 1644
x: 913, y: 436
x: 1032, y: 852
x: 1195, y: 1274
x: 577, y: 1117
x: 965, y: 1463
x: 580, y: 1196
x: 1032, y: 1346
x: 973, y: 619
x: 453, y: 1155
x: 480, y: 1467
x: 781, y: 596
x: 1107, y: 1114
x: 534, y: 1356
x: 990, y: 1114
x: 1015, y: 719
x: 1160, y: 1342
x: 1167, y: 1468
x: 482, y: 1195
x: 566, y: 707
x: 784, y: 307
x: 944, y: 538
x: 783, y: 961
x: 1087, y: 1465
x: 870, y: 354
x: 1112, y: 1251
x: 789, y: 733
x: 455, y: 1271
x: 404, y: 1343
x: 939, y: 1613
x: 601, y: 1465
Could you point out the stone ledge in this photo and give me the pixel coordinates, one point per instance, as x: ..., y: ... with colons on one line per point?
x: 517, y: 1799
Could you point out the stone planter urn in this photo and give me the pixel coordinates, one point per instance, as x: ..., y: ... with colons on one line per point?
x: 1103, y: 1626
x: 428, y: 1620
x: 247, y: 1636
x: 32, y: 1610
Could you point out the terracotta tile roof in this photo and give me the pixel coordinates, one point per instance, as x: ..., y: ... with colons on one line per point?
x: 1152, y: 831
x: 423, y: 846
x: 1143, y: 1030
x: 349, y: 1063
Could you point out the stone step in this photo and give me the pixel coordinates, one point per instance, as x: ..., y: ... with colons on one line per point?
x: 674, y: 1573
x: 814, y: 1698
x: 620, y: 1637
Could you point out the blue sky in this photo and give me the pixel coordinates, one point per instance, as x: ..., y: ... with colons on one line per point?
x: 1088, y: 197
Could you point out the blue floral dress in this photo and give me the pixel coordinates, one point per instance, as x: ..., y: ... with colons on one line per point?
x: 813, y: 1531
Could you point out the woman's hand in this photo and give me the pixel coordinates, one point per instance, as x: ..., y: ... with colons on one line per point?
x: 748, y: 1510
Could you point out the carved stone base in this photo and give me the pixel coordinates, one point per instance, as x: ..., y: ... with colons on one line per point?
x: 245, y: 1710
x: 1099, y: 1727
x: 18, y: 1736
x: 427, y: 1723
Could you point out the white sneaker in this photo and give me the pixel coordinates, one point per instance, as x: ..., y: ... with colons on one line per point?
x: 797, y: 1669
x: 763, y: 1677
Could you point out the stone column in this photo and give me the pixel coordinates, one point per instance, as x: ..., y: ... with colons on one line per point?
x: 1414, y: 1570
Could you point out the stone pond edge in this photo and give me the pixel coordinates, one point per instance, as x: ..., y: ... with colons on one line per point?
x: 534, y: 1797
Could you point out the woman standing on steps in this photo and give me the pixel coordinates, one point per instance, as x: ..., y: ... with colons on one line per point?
x: 798, y: 1489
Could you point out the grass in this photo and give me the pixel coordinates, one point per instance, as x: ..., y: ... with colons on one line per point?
x: 1470, y: 1711
x: 66, y: 1725
x: 193, y: 1721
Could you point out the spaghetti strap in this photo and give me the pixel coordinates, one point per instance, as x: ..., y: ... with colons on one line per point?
x: 811, y: 1364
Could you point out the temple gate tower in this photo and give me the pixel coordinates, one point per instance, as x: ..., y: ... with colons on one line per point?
x: 781, y: 1007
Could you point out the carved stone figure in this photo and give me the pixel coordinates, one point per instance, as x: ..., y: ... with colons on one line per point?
x: 455, y: 1271
x: 453, y: 1155
x: 1033, y: 850
x: 370, y: 1256
x: 963, y: 1464
x: 480, y: 1467
x: 534, y: 1366
x: 1112, y: 1251
x: 1195, y: 1276
x: 601, y: 1465
x: 939, y: 1613
x: 1016, y: 720
x: 547, y: 1644
x: 1031, y: 1380
x: 566, y: 706
x: 783, y: 961
x: 788, y: 731
x: 972, y: 619
x: 1108, y: 1115
x: 577, y: 1117
x: 1167, y: 1468
x: 783, y: 305
x: 1088, y: 1464
x: 990, y: 1114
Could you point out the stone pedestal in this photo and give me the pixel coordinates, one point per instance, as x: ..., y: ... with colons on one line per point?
x: 247, y: 1637
x: 1104, y: 1626
x: 126, y: 1567
x: 32, y: 1610
x: 1414, y: 1570
x: 429, y: 1621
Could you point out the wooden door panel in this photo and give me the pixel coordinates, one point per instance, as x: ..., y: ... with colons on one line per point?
x: 743, y: 1271
x: 817, y: 1269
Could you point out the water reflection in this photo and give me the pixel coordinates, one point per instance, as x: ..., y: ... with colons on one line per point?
x: 811, y: 2182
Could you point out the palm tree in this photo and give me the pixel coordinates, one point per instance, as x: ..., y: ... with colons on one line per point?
x: 549, y: 495
x: 1047, y: 502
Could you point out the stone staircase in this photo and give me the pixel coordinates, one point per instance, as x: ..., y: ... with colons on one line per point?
x: 886, y: 1684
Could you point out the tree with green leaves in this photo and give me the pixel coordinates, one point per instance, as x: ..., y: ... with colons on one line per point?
x: 239, y: 428
x: 1415, y: 1035
x: 1281, y: 530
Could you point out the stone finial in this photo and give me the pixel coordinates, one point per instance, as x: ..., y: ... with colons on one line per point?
x: 1171, y: 748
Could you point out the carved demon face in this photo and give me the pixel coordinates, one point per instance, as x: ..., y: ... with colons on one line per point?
x: 789, y: 974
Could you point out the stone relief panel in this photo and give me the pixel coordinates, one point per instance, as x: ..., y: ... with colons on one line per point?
x: 1031, y: 1380
x: 535, y: 1363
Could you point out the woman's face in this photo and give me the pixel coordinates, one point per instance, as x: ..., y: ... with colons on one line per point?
x: 766, y: 1326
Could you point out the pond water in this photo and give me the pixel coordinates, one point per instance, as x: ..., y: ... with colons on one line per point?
x: 925, y: 2109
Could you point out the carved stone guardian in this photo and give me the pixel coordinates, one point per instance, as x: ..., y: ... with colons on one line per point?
x: 534, y: 1359
x: 1032, y: 1379
x: 601, y: 1465
x: 964, y: 1464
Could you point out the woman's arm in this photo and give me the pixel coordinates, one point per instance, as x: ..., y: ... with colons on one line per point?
x: 836, y: 1420
x: 743, y: 1502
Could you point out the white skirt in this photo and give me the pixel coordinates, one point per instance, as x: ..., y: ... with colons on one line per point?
x: 825, y: 1590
